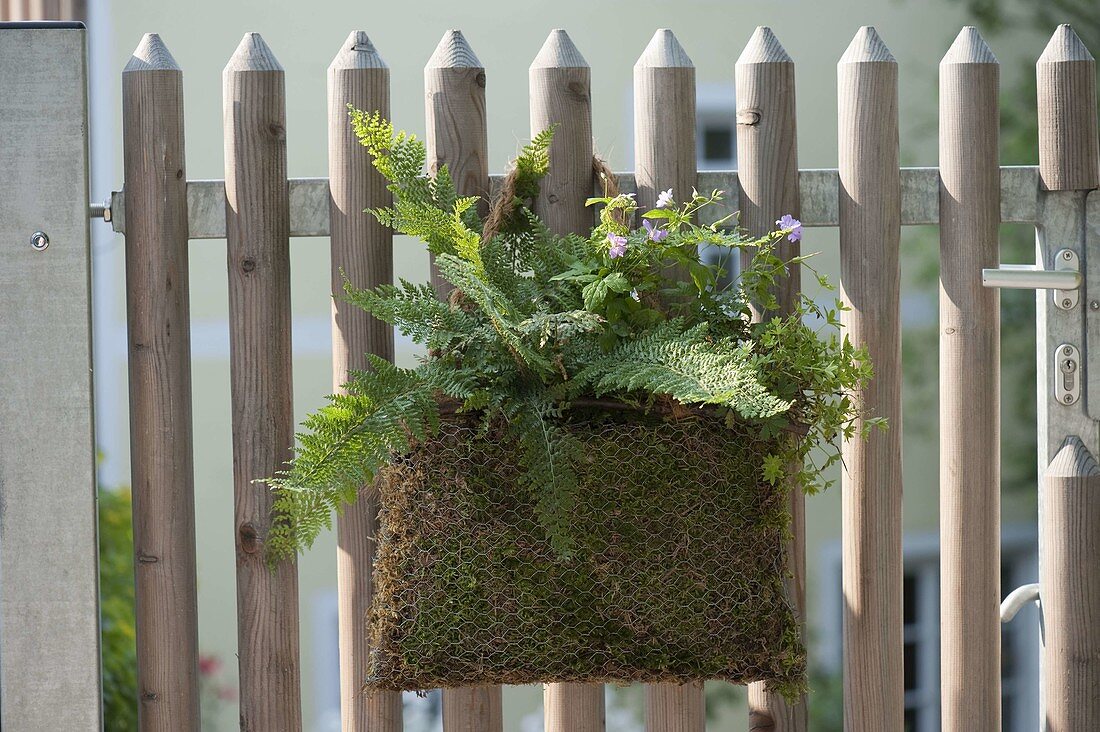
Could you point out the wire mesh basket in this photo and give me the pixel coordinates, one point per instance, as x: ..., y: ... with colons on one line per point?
x: 668, y: 562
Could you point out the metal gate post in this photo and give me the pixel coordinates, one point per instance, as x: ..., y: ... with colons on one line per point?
x: 49, y: 610
x: 1067, y: 236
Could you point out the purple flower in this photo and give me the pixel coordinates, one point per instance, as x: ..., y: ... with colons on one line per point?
x: 789, y: 223
x: 656, y: 233
x: 618, y: 245
x: 664, y: 200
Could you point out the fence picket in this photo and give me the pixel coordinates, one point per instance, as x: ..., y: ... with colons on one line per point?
x: 456, y: 131
x: 456, y: 136
x: 870, y: 228
x: 1069, y: 153
x: 970, y: 452
x: 1068, y: 557
x: 560, y: 81
x: 664, y: 157
x: 362, y: 251
x: 161, y: 460
x: 257, y: 214
x: 767, y: 162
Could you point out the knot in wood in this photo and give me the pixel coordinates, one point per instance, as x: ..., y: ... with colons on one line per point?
x: 249, y: 539
x: 247, y: 265
x: 552, y: 198
x: 748, y: 117
x: 480, y: 79
x: 277, y: 131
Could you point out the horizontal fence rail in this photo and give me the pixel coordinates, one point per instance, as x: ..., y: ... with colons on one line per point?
x: 920, y: 200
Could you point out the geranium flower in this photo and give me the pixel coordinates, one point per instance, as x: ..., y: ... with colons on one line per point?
x: 618, y: 245
x: 209, y: 665
x: 656, y: 233
x: 786, y: 222
x: 664, y: 200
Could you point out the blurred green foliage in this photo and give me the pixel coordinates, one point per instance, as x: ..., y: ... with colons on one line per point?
x: 116, y: 589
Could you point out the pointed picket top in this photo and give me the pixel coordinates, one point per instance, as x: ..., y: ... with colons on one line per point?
x: 1065, y: 45
x: 867, y: 47
x: 453, y: 52
x: 969, y: 48
x: 151, y: 55
x: 1073, y: 460
x: 664, y: 52
x: 764, y: 48
x: 253, y: 54
x: 559, y: 52
x: 358, y: 53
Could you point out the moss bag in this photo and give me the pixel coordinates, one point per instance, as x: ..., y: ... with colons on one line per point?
x: 668, y: 566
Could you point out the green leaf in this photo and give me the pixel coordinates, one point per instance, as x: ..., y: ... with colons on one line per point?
x: 617, y: 282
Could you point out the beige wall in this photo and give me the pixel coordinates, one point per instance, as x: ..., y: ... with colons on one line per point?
x: 202, y: 34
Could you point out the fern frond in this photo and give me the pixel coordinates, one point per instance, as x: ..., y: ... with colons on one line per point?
x: 342, y: 448
x: 687, y: 366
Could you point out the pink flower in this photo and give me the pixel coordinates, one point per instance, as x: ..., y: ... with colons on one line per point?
x: 618, y: 245
x: 209, y: 665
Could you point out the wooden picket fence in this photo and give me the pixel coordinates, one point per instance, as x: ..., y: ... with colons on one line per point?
x: 869, y: 197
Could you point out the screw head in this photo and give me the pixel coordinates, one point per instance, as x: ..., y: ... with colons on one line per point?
x: 39, y: 241
x: 1094, y: 305
x: 1067, y: 350
x: 1067, y: 303
x: 1067, y: 254
x: 1068, y: 399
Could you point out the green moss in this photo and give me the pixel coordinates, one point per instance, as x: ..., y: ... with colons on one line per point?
x: 674, y: 573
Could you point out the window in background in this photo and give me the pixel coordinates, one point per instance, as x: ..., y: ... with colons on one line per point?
x: 921, y: 617
x: 715, y: 127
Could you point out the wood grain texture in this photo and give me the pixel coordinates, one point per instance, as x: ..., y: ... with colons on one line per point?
x: 257, y: 216
x: 159, y: 325
x: 675, y: 707
x: 664, y: 157
x: 767, y: 155
x: 870, y: 227
x: 664, y: 121
x: 1070, y: 590
x: 456, y: 131
x: 560, y: 95
x: 473, y: 709
x: 970, y: 388
x: 457, y: 136
x: 362, y: 251
x: 573, y: 707
x: 1069, y: 152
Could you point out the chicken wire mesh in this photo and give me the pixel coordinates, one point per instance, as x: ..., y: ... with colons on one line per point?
x: 674, y: 572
